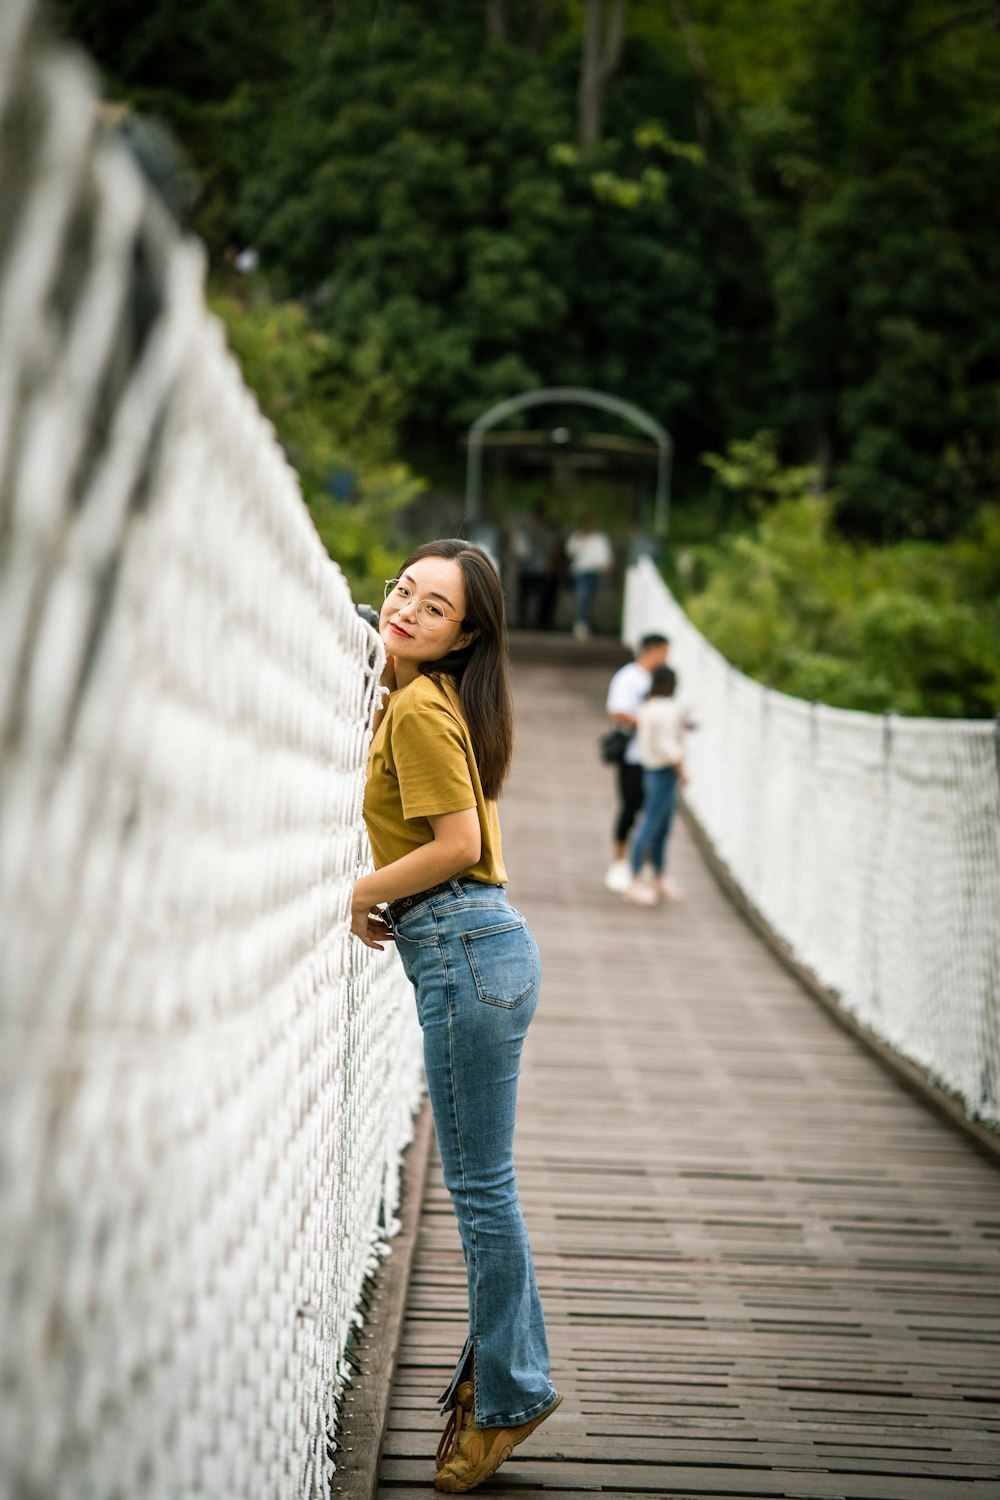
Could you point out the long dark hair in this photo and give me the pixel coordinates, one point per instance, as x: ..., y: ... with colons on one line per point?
x: 482, y: 668
x: 662, y: 682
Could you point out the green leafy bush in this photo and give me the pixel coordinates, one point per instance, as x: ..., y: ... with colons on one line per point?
x: 911, y: 628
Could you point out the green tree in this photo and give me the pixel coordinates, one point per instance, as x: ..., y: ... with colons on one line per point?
x: 863, y: 138
x: 443, y: 228
x: 786, y: 217
x: 909, y: 628
x: 341, y: 443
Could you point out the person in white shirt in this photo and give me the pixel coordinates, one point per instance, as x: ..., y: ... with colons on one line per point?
x: 627, y: 692
x: 660, y: 735
x: 590, y: 560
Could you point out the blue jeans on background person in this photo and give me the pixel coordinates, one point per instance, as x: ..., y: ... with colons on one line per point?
x: 475, y: 970
x: 659, y: 797
x: 585, y: 587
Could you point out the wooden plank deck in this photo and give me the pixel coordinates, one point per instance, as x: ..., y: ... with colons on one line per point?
x: 767, y: 1269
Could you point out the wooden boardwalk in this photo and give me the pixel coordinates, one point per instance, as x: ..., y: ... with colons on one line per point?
x: 767, y: 1269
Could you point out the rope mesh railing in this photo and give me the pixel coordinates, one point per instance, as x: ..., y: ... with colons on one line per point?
x: 207, y: 1085
x: 870, y: 845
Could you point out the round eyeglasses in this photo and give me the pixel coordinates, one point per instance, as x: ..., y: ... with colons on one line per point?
x: 427, y: 613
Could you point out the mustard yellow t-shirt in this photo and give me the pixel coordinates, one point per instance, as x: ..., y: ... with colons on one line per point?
x: 421, y: 764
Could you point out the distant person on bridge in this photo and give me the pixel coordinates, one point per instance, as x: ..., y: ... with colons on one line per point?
x: 537, y: 549
x: 440, y: 753
x: 627, y: 692
x: 590, y: 560
x: 660, y: 738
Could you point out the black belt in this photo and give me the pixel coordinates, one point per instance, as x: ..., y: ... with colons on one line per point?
x: 396, y: 909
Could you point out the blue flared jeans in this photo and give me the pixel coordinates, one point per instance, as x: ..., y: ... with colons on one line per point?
x: 475, y: 971
x: 659, y: 797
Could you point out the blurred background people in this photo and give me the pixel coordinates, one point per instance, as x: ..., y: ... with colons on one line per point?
x: 590, y: 560
x: 537, y: 549
x: 660, y: 740
x: 627, y: 692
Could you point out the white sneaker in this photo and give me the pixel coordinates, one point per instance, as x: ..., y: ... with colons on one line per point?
x: 619, y: 876
x: 640, y: 894
x: 669, y: 888
x: 581, y: 631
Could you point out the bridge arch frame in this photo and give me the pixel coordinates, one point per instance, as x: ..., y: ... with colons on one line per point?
x: 576, y: 396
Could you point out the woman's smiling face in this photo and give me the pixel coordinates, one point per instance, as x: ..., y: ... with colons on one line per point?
x: 434, y: 582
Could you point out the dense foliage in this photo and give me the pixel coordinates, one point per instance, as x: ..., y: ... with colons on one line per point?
x: 789, y: 219
x: 748, y: 216
x: 910, y: 627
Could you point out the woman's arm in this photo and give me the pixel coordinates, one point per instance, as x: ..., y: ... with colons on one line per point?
x: 457, y: 844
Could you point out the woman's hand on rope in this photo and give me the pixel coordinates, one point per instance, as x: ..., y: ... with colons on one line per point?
x: 456, y: 845
x: 368, y: 924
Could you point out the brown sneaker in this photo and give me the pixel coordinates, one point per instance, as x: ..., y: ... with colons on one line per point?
x: 467, y: 1455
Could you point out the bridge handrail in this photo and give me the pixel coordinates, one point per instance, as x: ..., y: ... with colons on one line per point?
x: 869, y: 843
x: 206, y: 1083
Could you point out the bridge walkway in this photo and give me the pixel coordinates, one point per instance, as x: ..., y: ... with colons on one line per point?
x: 768, y: 1269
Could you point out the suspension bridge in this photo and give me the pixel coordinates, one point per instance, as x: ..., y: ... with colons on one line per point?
x: 770, y: 1269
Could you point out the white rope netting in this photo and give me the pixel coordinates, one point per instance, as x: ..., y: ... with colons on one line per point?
x: 207, y: 1084
x: 870, y: 844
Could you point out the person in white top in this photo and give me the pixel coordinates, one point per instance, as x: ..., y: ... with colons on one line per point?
x: 590, y: 560
x: 662, y: 722
x: 627, y: 692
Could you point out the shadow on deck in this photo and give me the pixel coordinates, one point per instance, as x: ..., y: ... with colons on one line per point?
x: 768, y: 1269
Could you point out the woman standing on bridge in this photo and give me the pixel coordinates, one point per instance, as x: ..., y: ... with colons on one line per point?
x: 439, y: 756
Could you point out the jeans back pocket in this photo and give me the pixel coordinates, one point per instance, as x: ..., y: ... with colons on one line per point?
x: 504, y: 962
